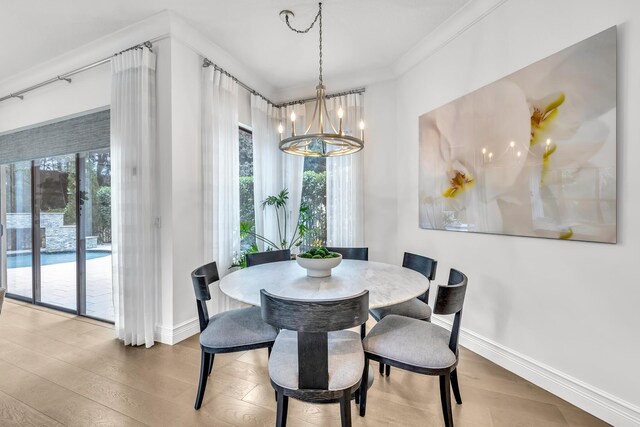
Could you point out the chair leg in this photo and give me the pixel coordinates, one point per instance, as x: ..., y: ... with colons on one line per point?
x: 269, y: 357
x: 283, y: 406
x: 356, y: 396
x: 381, y: 368
x: 455, y: 386
x: 364, y: 385
x: 388, y: 369
x: 445, y: 399
x: 211, y: 364
x: 345, y: 409
x: 205, y: 361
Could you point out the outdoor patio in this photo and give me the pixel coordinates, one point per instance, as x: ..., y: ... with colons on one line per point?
x: 59, y: 285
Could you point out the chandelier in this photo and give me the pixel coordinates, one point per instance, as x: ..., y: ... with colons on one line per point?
x: 321, y: 138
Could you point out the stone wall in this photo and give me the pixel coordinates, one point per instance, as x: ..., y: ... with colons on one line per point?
x: 57, y: 237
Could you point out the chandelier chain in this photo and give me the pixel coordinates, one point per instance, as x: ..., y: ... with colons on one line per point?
x: 318, y: 19
x: 320, y: 15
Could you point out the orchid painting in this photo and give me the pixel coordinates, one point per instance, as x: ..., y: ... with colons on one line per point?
x: 533, y: 154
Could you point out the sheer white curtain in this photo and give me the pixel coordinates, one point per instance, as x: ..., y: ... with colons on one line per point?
x: 293, y: 167
x: 345, y: 201
x: 274, y: 170
x: 133, y: 195
x: 220, y: 167
x: 268, y: 165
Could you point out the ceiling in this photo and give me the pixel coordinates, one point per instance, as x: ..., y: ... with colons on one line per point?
x: 359, y: 35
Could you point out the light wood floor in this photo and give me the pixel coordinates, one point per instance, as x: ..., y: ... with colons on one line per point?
x: 57, y: 369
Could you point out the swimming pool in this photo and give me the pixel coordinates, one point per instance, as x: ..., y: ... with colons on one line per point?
x: 24, y: 259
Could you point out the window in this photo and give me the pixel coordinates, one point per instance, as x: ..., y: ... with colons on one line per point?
x: 314, y: 193
x: 314, y: 197
x: 247, y: 210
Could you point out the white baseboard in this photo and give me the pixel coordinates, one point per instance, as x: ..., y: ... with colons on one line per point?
x: 181, y: 332
x: 586, y: 397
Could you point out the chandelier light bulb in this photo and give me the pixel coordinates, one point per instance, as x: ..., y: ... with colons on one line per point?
x: 548, y: 142
x: 518, y: 153
x: 361, y: 124
x: 490, y: 156
x: 340, y: 113
x: 484, y: 151
x: 280, y: 129
x: 293, y: 116
x: 512, y: 144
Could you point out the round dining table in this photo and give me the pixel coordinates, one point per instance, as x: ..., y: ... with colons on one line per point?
x: 387, y: 284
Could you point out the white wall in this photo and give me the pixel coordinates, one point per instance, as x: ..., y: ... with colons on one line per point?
x: 566, y: 309
x: 380, y: 169
x: 88, y: 91
x: 187, y: 225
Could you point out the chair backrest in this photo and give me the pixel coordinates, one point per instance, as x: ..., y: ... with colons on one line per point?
x: 268, y: 256
x: 202, y: 277
x: 422, y: 264
x: 450, y: 300
x: 2, y: 292
x: 360, y: 254
x: 312, y: 319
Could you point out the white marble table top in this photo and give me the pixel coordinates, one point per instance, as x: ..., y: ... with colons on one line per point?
x: 387, y: 284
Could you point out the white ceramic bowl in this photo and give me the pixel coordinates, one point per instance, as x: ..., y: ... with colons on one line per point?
x: 319, y: 267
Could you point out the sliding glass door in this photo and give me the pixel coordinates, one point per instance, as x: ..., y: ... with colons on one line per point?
x: 17, y: 229
x: 96, y: 297
x: 57, y: 239
x: 56, y: 231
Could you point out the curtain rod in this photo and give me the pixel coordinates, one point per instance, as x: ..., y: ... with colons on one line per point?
x: 207, y: 63
x: 67, y: 76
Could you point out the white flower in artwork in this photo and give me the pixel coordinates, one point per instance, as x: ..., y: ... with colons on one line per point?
x: 569, y: 96
x: 467, y: 159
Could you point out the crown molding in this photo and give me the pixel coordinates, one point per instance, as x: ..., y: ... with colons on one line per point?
x: 167, y: 23
x: 185, y: 33
x: 154, y: 27
x: 456, y: 25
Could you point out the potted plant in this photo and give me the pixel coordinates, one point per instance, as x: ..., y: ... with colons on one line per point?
x: 279, y: 203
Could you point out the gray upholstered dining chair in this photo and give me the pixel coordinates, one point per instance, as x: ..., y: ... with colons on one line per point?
x: 314, y: 359
x: 268, y: 256
x: 422, y: 347
x: 226, y: 332
x: 2, y: 292
x: 416, y: 308
x: 360, y: 254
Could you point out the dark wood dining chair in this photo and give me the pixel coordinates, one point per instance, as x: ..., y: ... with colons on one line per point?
x: 314, y: 359
x: 360, y: 254
x: 422, y: 347
x: 267, y: 257
x: 416, y: 308
x: 227, y: 332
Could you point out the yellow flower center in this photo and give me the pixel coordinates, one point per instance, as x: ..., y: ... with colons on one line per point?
x: 543, y: 117
x: 457, y: 184
x: 566, y: 235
